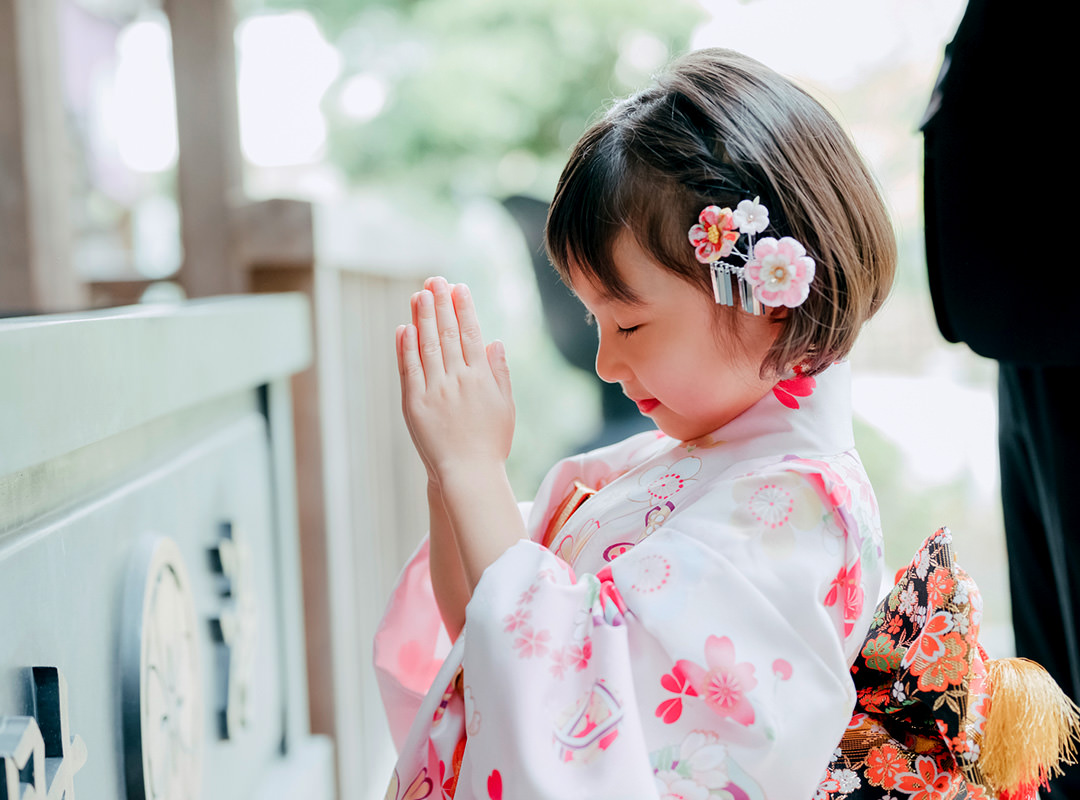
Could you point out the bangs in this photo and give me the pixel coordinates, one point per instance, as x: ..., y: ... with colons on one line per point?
x: 611, y: 186
x: 605, y: 192
x: 590, y: 211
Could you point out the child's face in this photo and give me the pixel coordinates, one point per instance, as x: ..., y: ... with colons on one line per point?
x: 666, y: 352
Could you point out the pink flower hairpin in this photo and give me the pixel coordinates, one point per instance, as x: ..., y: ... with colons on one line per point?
x: 776, y: 272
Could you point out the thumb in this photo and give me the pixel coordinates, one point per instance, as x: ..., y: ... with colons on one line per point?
x: 496, y: 356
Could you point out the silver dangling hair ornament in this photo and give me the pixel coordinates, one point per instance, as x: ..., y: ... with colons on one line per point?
x: 775, y: 272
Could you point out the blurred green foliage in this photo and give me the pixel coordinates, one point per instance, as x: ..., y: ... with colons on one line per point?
x: 484, y: 97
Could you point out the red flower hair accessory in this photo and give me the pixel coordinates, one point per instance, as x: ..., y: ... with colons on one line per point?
x: 774, y: 272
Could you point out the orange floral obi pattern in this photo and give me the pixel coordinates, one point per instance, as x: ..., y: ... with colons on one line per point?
x: 922, y: 694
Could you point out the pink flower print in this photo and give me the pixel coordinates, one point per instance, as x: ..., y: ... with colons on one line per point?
x: 835, y: 494
x: 771, y: 505
x: 494, y: 785
x: 714, y: 235
x: 578, y: 655
x: 846, y: 588
x: 788, y: 391
x: 531, y: 643
x: 516, y: 620
x: 777, y: 507
x: 780, y: 272
x: 558, y: 663
x: 661, y: 483
x: 573, y: 656
x: 723, y: 686
x: 653, y: 574
x: 528, y: 594
x: 781, y: 669
x: 678, y: 683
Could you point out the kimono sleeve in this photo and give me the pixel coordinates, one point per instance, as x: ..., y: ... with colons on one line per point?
x: 411, y: 641
x: 707, y: 659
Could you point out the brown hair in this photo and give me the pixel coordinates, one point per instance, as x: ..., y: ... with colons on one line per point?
x: 717, y: 128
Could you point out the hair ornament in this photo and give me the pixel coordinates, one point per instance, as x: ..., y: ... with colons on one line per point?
x: 775, y: 272
x: 714, y: 235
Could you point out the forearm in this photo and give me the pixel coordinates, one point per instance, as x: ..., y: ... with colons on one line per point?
x: 483, y: 515
x: 447, y: 579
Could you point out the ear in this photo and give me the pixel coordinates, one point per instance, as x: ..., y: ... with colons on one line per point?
x: 776, y: 313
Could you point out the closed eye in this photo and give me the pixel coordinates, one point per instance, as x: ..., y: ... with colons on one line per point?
x: 628, y: 331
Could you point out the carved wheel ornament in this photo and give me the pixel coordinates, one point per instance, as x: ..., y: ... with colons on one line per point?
x: 161, y: 687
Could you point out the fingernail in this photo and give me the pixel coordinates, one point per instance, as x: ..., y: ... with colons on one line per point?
x: 426, y: 298
x: 462, y: 290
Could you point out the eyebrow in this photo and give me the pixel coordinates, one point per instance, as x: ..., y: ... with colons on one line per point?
x: 636, y: 301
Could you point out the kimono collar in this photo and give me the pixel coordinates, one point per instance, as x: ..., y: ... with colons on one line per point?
x: 803, y: 415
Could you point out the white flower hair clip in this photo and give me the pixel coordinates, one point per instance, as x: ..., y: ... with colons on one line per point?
x: 775, y: 272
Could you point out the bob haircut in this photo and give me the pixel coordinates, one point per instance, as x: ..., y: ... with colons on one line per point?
x: 719, y: 127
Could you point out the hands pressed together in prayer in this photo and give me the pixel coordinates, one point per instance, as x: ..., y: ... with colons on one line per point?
x: 455, y: 392
x: 458, y: 406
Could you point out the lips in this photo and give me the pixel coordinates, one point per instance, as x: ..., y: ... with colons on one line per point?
x: 645, y: 406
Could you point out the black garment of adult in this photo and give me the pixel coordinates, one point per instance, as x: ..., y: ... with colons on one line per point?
x: 999, y: 197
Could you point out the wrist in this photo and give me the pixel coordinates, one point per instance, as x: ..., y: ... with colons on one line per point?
x: 483, y: 514
x: 461, y: 473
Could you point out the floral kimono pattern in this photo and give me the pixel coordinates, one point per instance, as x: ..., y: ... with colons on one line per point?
x: 921, y: 683
x: 685, y: 632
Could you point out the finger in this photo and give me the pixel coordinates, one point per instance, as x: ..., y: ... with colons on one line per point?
x: 447, y: 322
x: 472, y: 340
x: 397, y: 350
x: 496, y: 356
x: 410, y: 366
x: 427, y: 331
x: 399, y: 344
x: 399, y: 336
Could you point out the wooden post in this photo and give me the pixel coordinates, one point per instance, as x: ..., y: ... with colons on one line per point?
x: 36, y: 272
x: 209, y: 165
x: 275, y: 244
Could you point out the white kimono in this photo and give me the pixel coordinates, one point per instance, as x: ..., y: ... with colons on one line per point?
x: 687, y: 634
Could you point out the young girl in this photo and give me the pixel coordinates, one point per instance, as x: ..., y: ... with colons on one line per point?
x: 675, y: 616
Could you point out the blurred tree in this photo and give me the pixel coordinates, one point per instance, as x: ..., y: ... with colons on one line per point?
x: 476, y: 96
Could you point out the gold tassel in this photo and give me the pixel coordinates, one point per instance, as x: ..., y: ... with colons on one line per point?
x: 1032, y: 728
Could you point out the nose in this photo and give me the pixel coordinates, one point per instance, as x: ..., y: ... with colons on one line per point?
x: 610, y: 367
